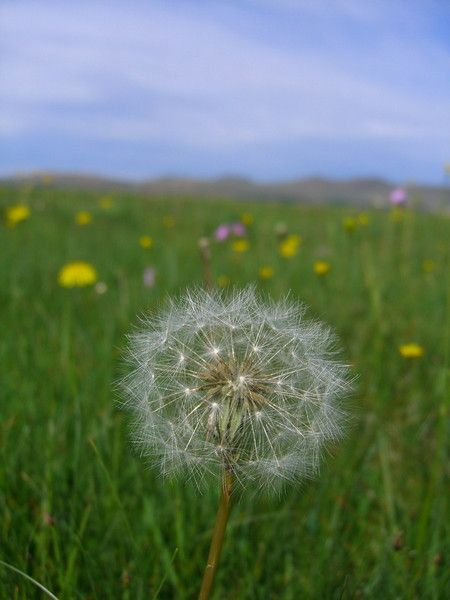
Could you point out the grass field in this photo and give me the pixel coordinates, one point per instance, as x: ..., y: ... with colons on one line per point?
x: 84, y: 516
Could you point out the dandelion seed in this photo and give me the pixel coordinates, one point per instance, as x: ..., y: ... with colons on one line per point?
x: 101, y: 288
x: 149, y: 277
x: 271, y: 361
x: 281, y: 231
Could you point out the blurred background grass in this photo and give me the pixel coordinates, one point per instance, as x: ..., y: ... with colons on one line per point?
x: 81, y: 514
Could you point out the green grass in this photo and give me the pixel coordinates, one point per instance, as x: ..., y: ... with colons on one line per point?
x: 83, y: 516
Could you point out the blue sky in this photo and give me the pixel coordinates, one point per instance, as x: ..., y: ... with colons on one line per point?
x: 270, y: 89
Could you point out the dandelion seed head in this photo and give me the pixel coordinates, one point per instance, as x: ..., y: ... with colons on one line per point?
x: 234, y: 381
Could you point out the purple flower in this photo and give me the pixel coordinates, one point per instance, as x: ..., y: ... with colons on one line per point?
x: 398, y: 195
x: 222, y: 232
x: 148, y: 277
x: 238, y: 229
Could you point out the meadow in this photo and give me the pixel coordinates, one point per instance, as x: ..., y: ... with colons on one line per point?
x: 84, y: 516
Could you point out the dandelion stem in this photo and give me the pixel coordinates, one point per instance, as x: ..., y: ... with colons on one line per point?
x: 218, y: 536
x: 205, y: 255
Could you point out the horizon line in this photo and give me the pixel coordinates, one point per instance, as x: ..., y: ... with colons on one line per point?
x: 36, y: 173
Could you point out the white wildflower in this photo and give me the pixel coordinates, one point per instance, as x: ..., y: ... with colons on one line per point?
x: 234, y: 382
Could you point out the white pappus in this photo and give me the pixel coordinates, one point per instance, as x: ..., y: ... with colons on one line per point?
x: 234, y: 381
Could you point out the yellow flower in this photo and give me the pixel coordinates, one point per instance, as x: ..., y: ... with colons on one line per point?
x: 411, y: 350
x: 223, y: 281
x: 265, y: 272
x: 428, y: 266
x: 83, y: 217
x: 145, y: 241
x: 363, y: 219
x: 294, y: 239
x: 168, y: 221
x: 240, y: 246
x: 349, y: 224
x: 321, y: 267
x: 396, y: 215
x: 289, y: 246
x: 77, y: 274
x: 17, y: 213
x: 247, y: 218
x: 105, y: 202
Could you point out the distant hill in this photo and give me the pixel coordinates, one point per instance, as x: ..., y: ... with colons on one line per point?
x: 315, y: 190
x: 66, y: 180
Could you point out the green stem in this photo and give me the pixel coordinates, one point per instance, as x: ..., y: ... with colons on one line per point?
x: 205, y: 255
x: 218, y: 536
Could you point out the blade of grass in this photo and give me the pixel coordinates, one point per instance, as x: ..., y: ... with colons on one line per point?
x: 26, y: 576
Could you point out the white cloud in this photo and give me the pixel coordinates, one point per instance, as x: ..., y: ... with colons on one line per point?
x: 104, y: 71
